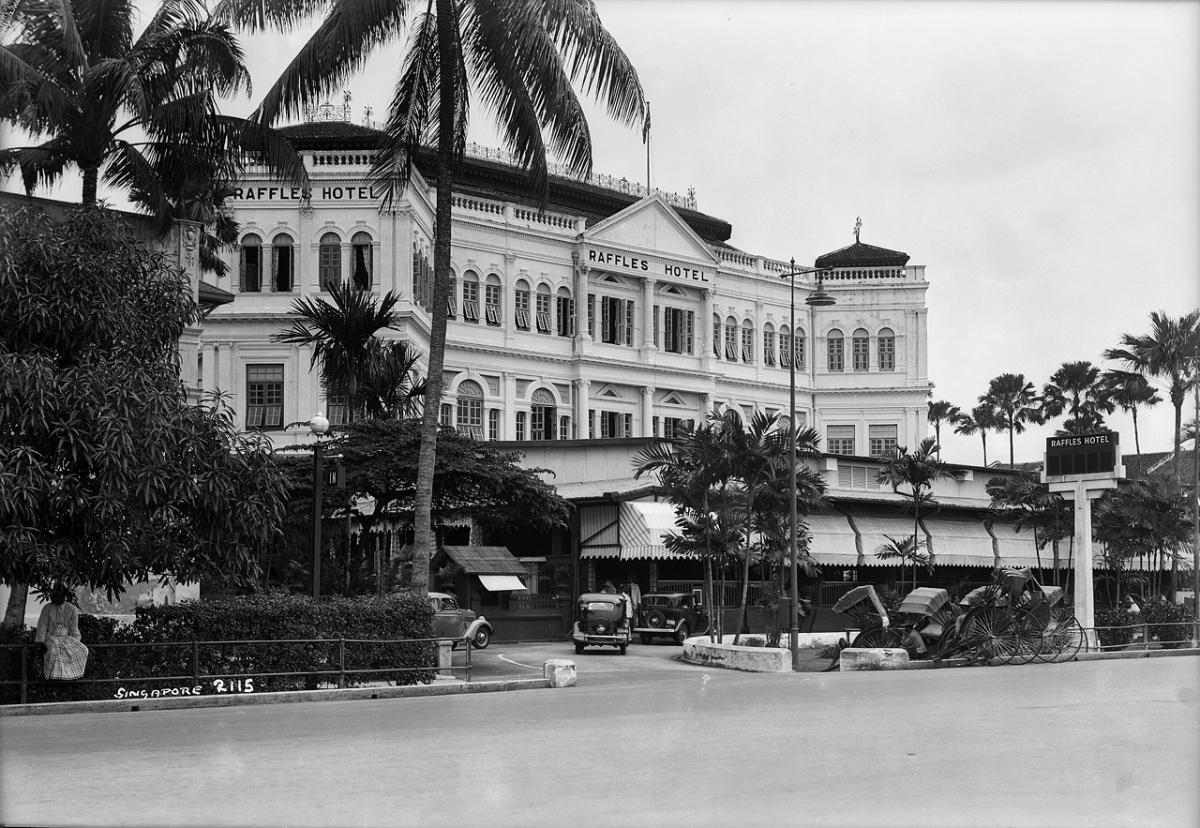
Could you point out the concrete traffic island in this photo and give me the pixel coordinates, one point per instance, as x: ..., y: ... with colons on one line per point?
x: 750, y: 655
x: 855, y: 659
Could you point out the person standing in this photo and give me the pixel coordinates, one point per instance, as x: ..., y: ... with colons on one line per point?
x: 64, y: 653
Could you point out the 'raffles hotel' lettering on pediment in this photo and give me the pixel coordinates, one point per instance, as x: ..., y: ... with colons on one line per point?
x: 640, y: 264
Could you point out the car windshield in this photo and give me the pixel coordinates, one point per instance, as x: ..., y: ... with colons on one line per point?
x: 599, y: 605
x: 658, y: 601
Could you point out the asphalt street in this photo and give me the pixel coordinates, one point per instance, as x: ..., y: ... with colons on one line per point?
x: 645, y: 740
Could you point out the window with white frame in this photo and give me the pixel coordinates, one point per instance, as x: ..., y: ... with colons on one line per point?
x: 543, y: 415
x: 768, y: 344
x: 543, y: 309
x: 522, y: 305
x: 283, y: 265
x: 470, y: 408
x: 493, y: 423
x: 675, y: 426
x: 747, y: 341
x: 470, y: 300
x: 264, y: 397
x: 361, y: 260
x: 452, y: 298
x: 860, y: 345
x: 798, y: 347
x: 446, y: 416
x: 678, y: 330
x: 337, y: 405
x: 491, y: 300
x: 882, y: 439
x: 251, y: 264
x: 785, y: 347
x: 616, y: 424
x: 329, y: 261
x: 839, y: 439
x: 716, y: 336
x: 887, y: 350
x: 731, y: 339
x: 836, y: 346
x: 520, y: 425
x: 564, y: 427
x: 565, y: 312
x: 616, y: 320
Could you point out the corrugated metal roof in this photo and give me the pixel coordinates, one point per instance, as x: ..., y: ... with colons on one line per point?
x: 485, y: 560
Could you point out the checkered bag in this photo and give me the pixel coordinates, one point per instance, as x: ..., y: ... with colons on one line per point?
x: 66, y: 657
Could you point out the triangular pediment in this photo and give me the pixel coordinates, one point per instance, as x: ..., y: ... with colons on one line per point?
x: 609, y: 393
x: 651, y: 227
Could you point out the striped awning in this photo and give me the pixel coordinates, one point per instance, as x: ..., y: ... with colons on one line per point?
x: 1017, y: 549
x: 959, y: 542
x: 872, y: 530
x: 599, y: 531
x: 643, y: 525
x: 833, y: 540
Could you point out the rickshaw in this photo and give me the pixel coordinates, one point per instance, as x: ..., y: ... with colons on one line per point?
x: 865, y: 609
x: 602, y: 622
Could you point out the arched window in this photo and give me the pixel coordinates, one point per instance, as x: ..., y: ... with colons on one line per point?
x: 747, y: 341
x: 329, y: 261
x: 785, y: 346
x: 470, y: 299
x: 543, y: 309
x: 361, y: 260
x: 522, y: 305
x: 565, y: 312
x: 470, y: 408
x: 716, y: 336
x: 452, y: 297
x: 491, y: 299
x: 861, y: 346
x: 284, y: 264
x: 251, y: 264
x: 731, y: 339
x: 836, y: 345
x: 887, y: 350
x: 543, y: 415
x: 798, y: 347
x: 768, y: 344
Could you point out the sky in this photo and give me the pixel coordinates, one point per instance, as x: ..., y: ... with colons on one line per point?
x: 1041, y: 159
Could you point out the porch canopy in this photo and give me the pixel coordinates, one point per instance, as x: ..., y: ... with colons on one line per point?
x: 833, y: 541
x: 873, y: 531
x: 1017, y: 549
x: 495, y: 566
x: 959, y: 542
x: 630, y: 530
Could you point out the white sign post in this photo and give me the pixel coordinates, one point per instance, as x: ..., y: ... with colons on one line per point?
x: 1100, y: 455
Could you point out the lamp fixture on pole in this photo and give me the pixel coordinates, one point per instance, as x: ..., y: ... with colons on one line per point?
x: 816, y: 299
x: 319, y: 426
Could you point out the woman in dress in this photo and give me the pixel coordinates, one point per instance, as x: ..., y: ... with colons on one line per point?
x: 65, y: 656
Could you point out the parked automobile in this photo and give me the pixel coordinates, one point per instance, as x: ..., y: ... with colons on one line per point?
x: 459, y: 625
x: 602, y: 622
x: 673, y: 614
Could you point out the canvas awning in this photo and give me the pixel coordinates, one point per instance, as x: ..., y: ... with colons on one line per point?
x: 642, y: 527
x: 501, y: 583
x: 959, y: 542
x: 1017, y: 549
x: 485, y: 560
x: 833, y: 540
x: 873, y: 529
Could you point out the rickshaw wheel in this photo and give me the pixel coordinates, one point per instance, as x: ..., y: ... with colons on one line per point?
x: 992, y: 634
x: 875, y: 638
x: 1029, y: 626
x: 1062, y: 639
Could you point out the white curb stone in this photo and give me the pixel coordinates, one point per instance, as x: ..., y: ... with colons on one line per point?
x: 881, y: 658
x: 560, y: 672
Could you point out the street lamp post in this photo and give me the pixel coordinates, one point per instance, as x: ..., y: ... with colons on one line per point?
x: 818, y: 298
x: 318, y: 425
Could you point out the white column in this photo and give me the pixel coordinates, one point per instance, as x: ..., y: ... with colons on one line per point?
x: 1085, y: 600
x: 648, y: 411
x: 508, y: 422
x: 582, y: 396
x: 704, y: 329
x: 581, y: 300
x: 648, y: 315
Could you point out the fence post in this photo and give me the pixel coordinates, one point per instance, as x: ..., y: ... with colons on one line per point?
x: 469, y: 648
x: 195, y: 662
x: 341, y: 663
x: 24, y: 675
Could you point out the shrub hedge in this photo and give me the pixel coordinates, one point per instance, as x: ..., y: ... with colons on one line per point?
x: 272, y: 622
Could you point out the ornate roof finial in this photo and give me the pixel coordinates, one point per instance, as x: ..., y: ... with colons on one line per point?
x: 857, y: 227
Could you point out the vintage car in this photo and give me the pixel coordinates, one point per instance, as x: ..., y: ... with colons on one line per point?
x: 602, y: 622
x: 459, y: 625
x: 673, y: 614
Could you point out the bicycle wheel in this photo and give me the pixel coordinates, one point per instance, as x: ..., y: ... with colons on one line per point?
x: 1062, y: 640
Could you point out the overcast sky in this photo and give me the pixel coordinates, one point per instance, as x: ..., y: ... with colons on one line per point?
x: 1042, y: 160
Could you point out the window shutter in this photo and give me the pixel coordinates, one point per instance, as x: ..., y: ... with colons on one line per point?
x: 627, y: 426
x: 628, y: 322
x: 667, y: 328
x: 605, y: 314
x: 689, y: 335
x: 654, y: 426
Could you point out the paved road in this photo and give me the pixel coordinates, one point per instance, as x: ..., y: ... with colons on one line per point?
x: 647, y: 741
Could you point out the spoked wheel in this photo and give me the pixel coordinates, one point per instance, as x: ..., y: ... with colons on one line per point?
x: 877, y: 637
x: 993, y: 635
x: 1062, y: 640
x: 1029, y: 636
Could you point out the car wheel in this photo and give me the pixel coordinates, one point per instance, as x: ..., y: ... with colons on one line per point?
x: 578, y: 648
x: 482, y: 637
x: 681, y: 634
x: 646, y: 638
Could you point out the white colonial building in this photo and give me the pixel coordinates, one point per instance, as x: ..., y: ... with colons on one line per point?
x: 610, y: 313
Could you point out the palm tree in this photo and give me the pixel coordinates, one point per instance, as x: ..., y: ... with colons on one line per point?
x: 980, y: 421
x: 136, y: 111
x: 1015, y: 403
x: 918, y: 470
x: 343, y: 336
x: 940, y: 411
x: 389, y: 385
x: 1074, y: 388
x: 1171, y: 351
x: 906, y: 550
x: 520, y: 56
x: 1129, y: 390
x: 1029, y: 502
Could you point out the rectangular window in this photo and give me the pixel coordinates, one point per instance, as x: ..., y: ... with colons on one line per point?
x: 337, y: 407
x: 716, y: 338
x: 655, y: 314
x: 566, y: 316
x: 674, y: 426
x: 747, y: 345
x: 861, y: 347
x: 798, y: 349
x: 284, y: 266
x: 678, y: 330
x: 329, y: 263
x: 264, y: 396
x: 446, y: 420
x: 882, y: 439
x: 451, y: 309
x: 839, y: 439
x: 471, y: 301
x: 785, y: 350
x: 837, y: 357
x: 520, y: 425
x: 494, y: 424
x: 564, y: 427
x: 522, y: 310
x: 731, y: 340
x: 768, y: 347
x: 616, y: 320
x: 543, y: 313
x: 887, y: 353
x: 491, y: 301
x: 615, y: 424
x: 591, y: 303
x: 251, y: 269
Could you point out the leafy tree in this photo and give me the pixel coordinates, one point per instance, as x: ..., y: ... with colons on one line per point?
x: 981, y: 420
x: 918, y: 470
x: 1130, y: 391
x: 1148, y: 518
x: 1075, y: 389
x: 343, y: 335
x: 941, y: 411
x: 139, y: 111
x: 1030, y: 504
x: 107, y: 474
x: 520, y: 57
x: 1015, y: 403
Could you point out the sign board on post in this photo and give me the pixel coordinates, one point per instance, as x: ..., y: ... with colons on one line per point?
x: 1078, y: 454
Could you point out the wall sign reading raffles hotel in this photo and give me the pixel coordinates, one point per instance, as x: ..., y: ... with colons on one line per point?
x: 604, y: 315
